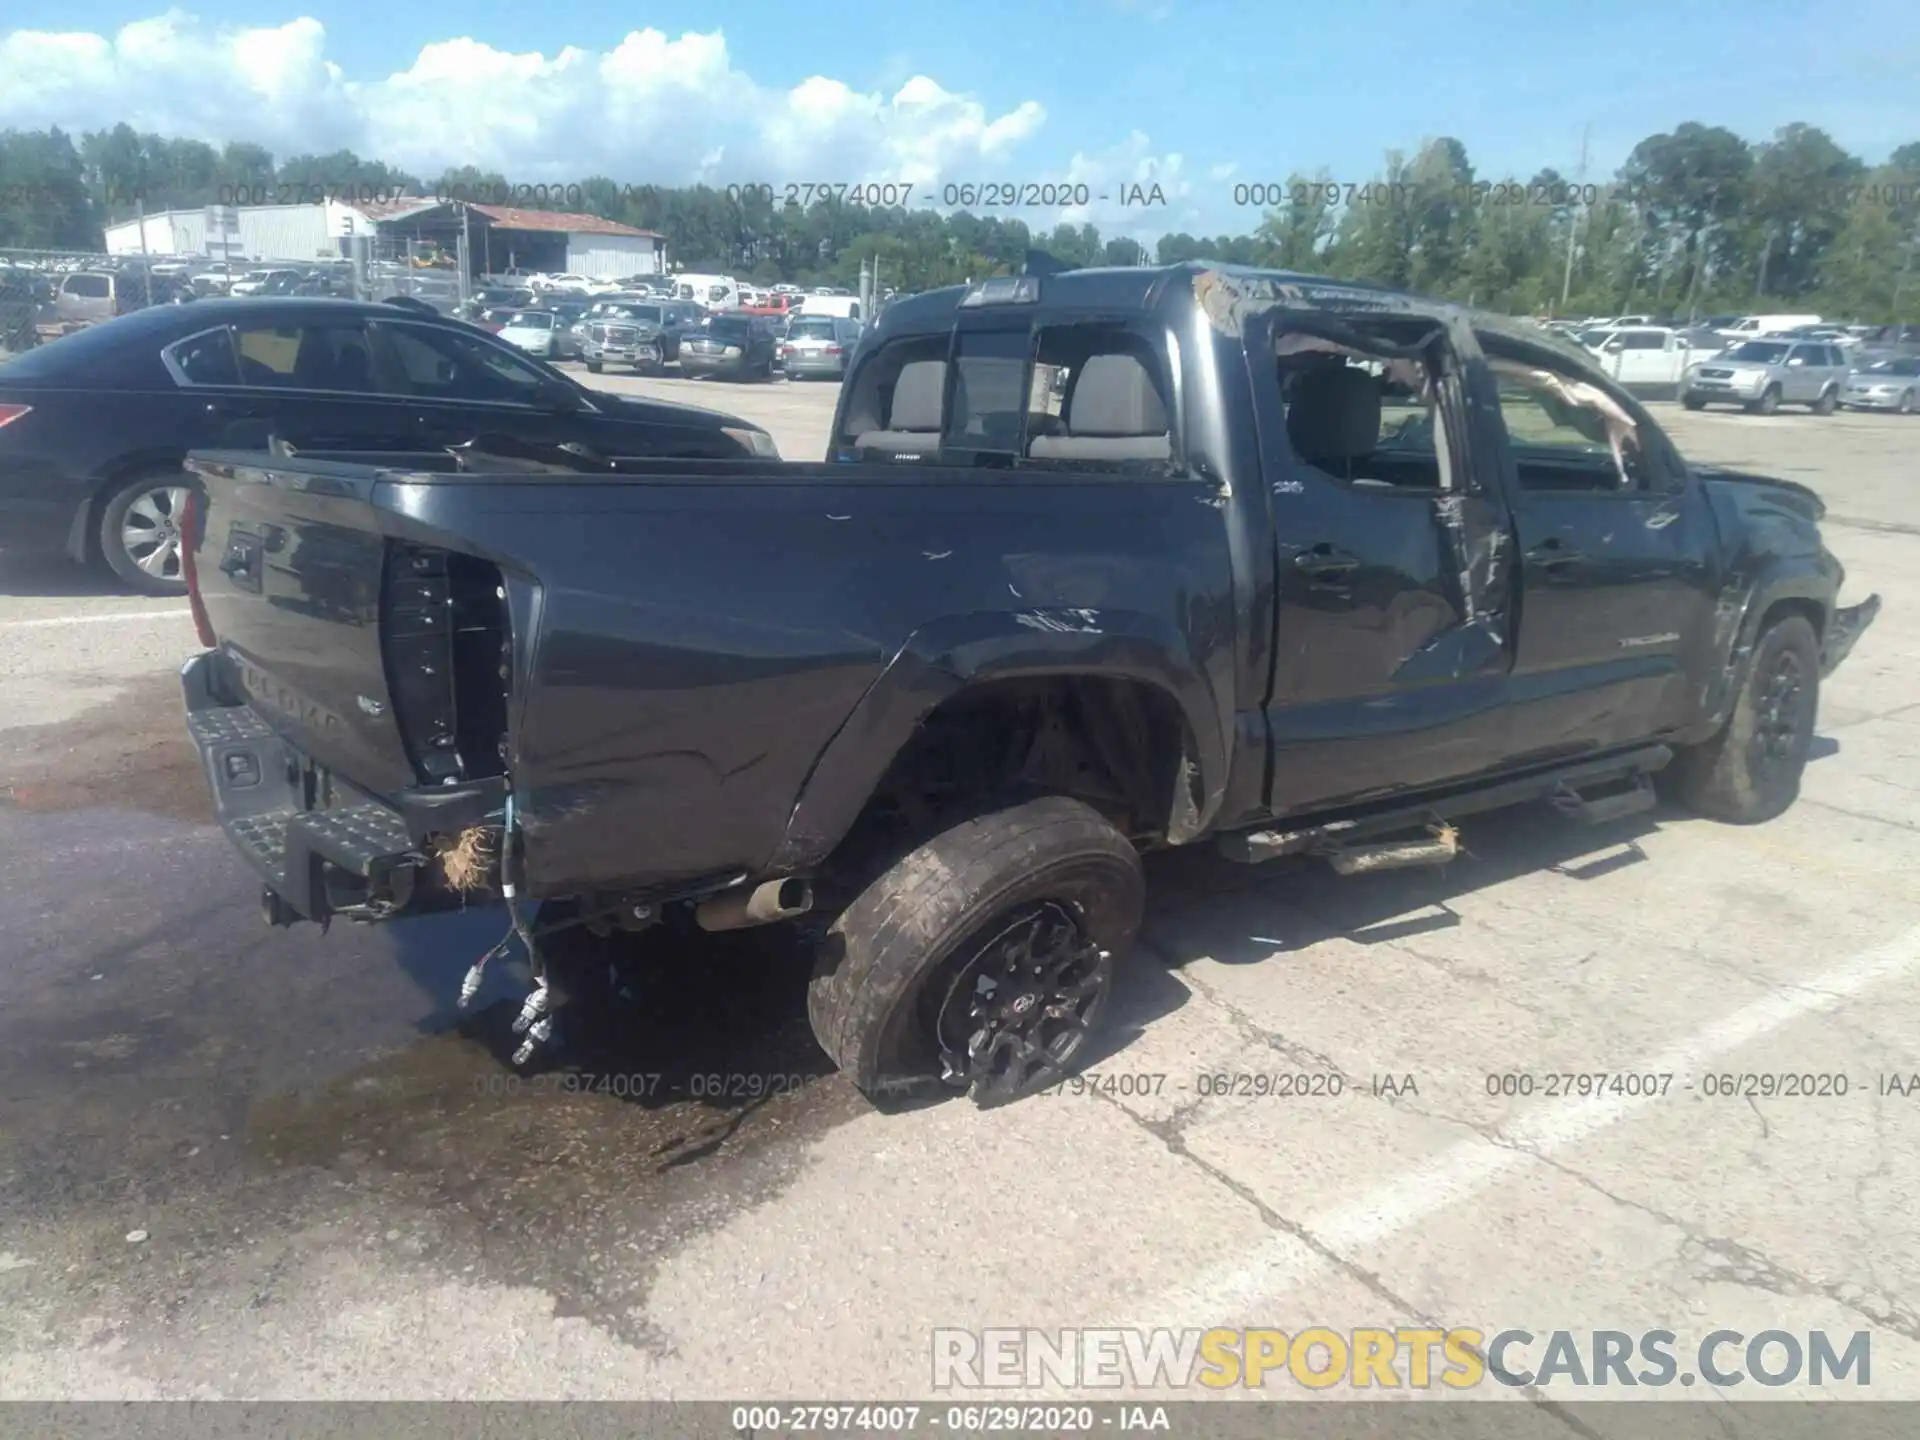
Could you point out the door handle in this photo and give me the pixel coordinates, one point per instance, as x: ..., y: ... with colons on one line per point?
x: 1325, y: 560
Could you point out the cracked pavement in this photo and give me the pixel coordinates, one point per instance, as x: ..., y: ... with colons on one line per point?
x: 337, y: 1195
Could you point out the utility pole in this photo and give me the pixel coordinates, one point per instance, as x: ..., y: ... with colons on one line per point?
x: 1573, y: 222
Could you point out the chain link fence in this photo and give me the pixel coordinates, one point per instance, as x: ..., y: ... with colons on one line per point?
x: 45, y: 294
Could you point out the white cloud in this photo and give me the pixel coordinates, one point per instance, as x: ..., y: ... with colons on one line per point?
x: 652, y: 109
x: 1131, y: 191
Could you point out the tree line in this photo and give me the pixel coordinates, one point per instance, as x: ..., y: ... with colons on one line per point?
x: 1698, y: 220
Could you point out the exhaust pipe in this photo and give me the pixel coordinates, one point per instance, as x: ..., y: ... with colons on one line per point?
x: 762, y: 905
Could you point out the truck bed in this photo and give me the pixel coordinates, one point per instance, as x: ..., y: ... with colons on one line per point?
x: 652, y: 658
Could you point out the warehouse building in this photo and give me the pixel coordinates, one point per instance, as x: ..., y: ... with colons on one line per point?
x: 497, y: 237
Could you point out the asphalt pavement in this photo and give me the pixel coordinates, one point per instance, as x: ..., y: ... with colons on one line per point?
x: 244, y: 1163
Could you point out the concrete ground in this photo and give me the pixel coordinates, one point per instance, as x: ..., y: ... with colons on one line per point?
x: 242, y: 1163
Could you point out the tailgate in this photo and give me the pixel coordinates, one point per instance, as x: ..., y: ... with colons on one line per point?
x: 346, y: 640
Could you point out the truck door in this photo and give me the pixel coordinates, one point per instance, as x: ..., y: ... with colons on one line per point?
x: 1805, y: 375
x: 1616, y: 571
x: 1391, y: 637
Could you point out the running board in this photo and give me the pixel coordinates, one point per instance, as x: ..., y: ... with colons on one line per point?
x: 1612, y: 805
x: 1340, y: 832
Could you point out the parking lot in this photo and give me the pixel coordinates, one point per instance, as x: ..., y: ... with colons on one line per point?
x: 236, y: 1162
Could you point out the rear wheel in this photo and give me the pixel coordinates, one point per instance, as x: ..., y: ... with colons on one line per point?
x: 1828, y: 402
x: 984, y: 958
x: 140, y: 532
x: 1751, y: 770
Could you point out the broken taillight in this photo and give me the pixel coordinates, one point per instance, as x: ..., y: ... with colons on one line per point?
x: 190, y: 526
x: 11, y: 413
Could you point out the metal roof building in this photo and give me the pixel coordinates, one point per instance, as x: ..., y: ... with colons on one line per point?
x: 265, y: 232
x: 498, y: 237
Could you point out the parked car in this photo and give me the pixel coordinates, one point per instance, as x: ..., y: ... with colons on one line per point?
x: 951, y: 715
x: 1888, y: 342
x: 313, y: 373
x: 1884, y: 385
x: 1752, y: 326
x: 510, y: 297
x: 845, y: 307
x: 529, y: 330
x: 493, y: 320
x: 731, y: 347
x: 569, y: 316
x: 817, y: 347
x: 1648, y: 361
x: 86, y: 297
x: 266, y: 282
x: 712, y: 293
x: 1763, y: 375
x: 628, y: 332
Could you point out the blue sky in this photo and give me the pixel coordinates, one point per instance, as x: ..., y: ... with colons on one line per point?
x: 1124, y: 84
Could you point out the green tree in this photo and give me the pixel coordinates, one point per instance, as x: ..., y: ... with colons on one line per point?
x: 1690, y: 186
x: 1797, y: 208
x: 1296, y: 234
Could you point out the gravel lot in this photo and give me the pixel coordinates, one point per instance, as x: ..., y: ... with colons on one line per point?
x: 336, y: 1195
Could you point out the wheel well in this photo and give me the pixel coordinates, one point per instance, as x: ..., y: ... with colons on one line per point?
x: 1118, y: 745
x: 87, y: 520
x: 1780, y: 609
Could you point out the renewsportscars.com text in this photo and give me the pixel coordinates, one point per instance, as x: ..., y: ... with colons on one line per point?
x: 1319, y: 1358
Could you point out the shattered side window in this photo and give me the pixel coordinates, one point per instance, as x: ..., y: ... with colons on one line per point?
x: 1566, y: 433
x: 1369, y: 418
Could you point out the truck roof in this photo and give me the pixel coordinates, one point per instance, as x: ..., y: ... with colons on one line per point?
x: 1145, y: 288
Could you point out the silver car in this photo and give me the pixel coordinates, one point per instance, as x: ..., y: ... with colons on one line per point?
x: 817, y: 347
x: 1884, y: 385
x: 1762, y: 375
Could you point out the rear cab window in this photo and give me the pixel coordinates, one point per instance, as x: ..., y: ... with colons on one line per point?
x: 1062, y: 393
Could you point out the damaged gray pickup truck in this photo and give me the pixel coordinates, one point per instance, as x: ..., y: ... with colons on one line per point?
x: 1288, y: 565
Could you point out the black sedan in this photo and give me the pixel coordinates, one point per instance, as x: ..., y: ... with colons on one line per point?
x: 93, y: 426
x: 731, y: 347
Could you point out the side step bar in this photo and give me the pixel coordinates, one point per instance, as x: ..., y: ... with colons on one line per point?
x: 1591, y: 791
x: 1609, y: 805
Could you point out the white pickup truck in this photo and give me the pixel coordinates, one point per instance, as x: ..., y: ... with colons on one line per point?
x: 1648, y: 360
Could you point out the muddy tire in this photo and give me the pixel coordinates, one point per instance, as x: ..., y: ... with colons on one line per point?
x: 1828, y: 402
x: 982, y: 960
x: 1750, y: 772
x: 139, y: 532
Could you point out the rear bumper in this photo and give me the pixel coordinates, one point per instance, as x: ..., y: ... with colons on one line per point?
x: 353, y: 857
x: 1844, y: 630
x: 693, y: 365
